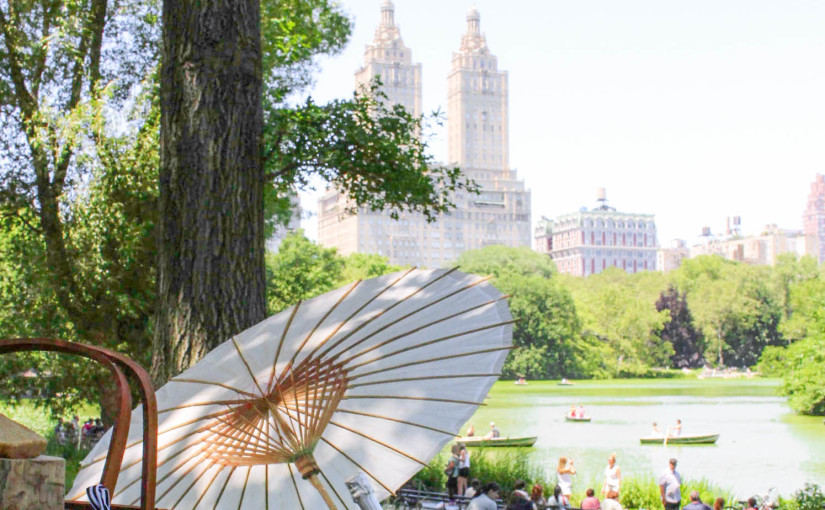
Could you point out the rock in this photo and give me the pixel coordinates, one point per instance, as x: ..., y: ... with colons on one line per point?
x: 32, y: 484
x: 18, y: 441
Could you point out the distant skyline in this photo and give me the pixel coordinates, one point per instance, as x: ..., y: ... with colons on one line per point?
x: 691, y: 111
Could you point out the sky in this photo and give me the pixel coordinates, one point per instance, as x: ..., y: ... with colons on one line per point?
x: 693, y: 111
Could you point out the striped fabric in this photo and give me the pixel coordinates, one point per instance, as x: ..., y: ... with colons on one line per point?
x: 99, y: 497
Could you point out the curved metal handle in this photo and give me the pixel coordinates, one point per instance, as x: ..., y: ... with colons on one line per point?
x: 114, y: 361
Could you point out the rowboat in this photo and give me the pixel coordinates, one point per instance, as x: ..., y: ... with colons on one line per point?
x: 576, y: 418
x: 705, y: 439
x: 498, y: 441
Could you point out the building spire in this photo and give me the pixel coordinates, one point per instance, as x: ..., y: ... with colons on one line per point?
x: 387, y: 14
x: 387, y: 31
x: 473, y: 22
x: 473, y: 40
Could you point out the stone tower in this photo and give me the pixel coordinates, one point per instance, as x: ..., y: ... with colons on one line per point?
x: 391, y: 61
x: 477, y: 104
x: 478, y: 143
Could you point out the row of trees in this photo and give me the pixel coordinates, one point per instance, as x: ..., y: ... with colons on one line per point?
x: 146, y: 146
x: 159, y: 253
x: 709, y: 312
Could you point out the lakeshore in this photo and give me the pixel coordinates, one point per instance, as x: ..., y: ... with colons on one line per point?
x: 762, y: 443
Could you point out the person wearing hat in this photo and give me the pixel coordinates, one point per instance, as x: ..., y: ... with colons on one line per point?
x: 670, y: 484
x: 494, y: 432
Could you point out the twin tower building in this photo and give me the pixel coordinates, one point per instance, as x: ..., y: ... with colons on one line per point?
x: 478, y: 142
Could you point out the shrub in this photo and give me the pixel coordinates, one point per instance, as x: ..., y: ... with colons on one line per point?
x: 808, y: 498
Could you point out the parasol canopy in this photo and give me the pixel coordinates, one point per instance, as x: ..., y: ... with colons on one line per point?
x: 375, y: 377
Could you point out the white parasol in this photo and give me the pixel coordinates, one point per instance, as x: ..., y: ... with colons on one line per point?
x: 375, y: 377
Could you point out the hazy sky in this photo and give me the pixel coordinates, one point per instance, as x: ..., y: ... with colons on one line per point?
x: 689, y: 110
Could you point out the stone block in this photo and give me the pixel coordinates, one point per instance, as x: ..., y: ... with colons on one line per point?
x: 32, y: 484
x: 18, y: 441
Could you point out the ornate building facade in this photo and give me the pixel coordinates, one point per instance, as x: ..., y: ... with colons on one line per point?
x: 589, y: 241
x: 813, y: 220
x: 477, y: 120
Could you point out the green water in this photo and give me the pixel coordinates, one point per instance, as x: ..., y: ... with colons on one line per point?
x: 762, y: 443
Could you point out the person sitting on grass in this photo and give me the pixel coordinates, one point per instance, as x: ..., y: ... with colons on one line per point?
x: 519, y: 499
x: 472, y: 490
x: 611, y: 502
x: 537, y: 496
x: 695, y: 502
x: 486, y: 498
x: 557, y: 500
x: 591, y: 502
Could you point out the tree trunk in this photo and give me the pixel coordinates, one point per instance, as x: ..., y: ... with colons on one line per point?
x: 211, y: 280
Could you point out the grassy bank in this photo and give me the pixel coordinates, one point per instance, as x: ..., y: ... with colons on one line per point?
x: 507, y: 467
x: 40, y: 420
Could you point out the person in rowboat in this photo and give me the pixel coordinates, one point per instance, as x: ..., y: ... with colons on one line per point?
x: 675, y: 430
x: 655, y: 431
x: 494, y: 432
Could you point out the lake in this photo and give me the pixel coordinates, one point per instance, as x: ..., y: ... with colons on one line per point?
x: 762, y: 443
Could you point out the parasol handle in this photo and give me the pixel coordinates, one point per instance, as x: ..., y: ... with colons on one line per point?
x: 309, y: 471
x: 313, y: 479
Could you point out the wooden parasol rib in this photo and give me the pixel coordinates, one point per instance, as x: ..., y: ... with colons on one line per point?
x: 422, y: 378
x: 425, y: 361
x: 412, y: 331
x: 411, y: 313
x: 338, y: 342
x: 431, y: 342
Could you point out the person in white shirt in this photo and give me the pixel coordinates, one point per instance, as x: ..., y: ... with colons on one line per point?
x: 463, y: 469
x: 612, y: 478
x: 565, y: 471
x: 472, y: 490
x: 670, y: 484
x: 486, y: 500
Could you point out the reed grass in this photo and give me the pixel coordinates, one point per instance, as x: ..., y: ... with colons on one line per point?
x: 505, y: 467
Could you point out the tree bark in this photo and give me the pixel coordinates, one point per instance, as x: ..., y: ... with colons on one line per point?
x: 211, y: 279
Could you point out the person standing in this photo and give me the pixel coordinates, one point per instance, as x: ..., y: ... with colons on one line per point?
x: 452, y: 472
x: 463, y: 469
x: 486, y: 498
x: 565, y: 472
x: 695, y: 502
x: 670, y: 484
x: 612, y: 478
